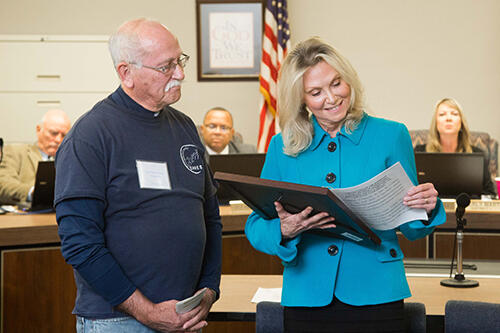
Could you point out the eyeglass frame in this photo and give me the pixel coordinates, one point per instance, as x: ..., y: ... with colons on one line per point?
x: 213, y: 127
x: 168, y: 68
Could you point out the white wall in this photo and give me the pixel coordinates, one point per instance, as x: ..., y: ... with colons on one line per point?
x: 408, y: 53
x: 71, y: 17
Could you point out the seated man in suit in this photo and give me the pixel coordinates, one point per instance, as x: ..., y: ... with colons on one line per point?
x: 19, y: 164
x: 217, y: 134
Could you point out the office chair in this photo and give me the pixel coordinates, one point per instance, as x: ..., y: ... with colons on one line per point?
x: 269, y: 317
x: 471, y: 316
x: 415, y: 317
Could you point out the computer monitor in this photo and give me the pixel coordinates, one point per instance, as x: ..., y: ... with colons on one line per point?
x: 451, y: 173
x: 243, y: 164
x: 43, y: 193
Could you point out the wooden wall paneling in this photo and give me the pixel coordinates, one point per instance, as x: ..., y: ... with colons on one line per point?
x: 38, y: 291
x: 230, y: 327
x: 414, y: 249
x: 239, y: 257
x: 474, y: 245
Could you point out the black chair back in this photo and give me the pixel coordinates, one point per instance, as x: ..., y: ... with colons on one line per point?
x: 471, y: 316
x: 269, y: 317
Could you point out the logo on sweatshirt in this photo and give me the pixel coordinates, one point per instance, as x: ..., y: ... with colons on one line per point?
x: 191, y: 158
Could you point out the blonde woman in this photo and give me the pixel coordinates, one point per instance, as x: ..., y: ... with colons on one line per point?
x: 449, y: 133
x: 327, y: 139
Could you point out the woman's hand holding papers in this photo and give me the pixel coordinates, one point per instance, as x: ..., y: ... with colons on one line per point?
x: 294, y: 224
x: 422, y: 196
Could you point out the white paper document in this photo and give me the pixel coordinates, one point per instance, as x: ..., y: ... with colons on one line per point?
x: 267, y: 294
x: 379, y: 201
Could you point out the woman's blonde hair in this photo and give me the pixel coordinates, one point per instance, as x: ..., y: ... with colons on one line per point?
x: 434, y: 140
x: 294, y: 118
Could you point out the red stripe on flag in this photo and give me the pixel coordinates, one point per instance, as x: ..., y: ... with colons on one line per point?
x: 273, y: 51
x: 262, y: 118
x: 266, y: 59
x: 268, y: 32
x: 271, y: 133
x: 270, y: 101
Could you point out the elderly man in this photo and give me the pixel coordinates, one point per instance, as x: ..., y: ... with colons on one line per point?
x: 217, y: 133
x: 138, y: 217
x: 19, y: 164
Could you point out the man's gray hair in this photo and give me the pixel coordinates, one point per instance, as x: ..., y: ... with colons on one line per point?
x: 125, y: 44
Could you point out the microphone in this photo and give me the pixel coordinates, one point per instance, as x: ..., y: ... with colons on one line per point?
x: 463, y: 200
x: 459, y: 281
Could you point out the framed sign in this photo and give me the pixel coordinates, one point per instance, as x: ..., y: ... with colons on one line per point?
x: 229, y: 39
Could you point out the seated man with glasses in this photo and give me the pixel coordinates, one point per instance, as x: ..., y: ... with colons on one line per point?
x: 19, y: 164
x: 218, y: 136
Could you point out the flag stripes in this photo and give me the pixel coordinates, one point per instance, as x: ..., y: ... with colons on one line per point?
x: 276, y: 41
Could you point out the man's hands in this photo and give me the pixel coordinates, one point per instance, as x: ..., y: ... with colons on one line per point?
x: 201, y: 311
x: 162, y: 316
x: 294, y: 224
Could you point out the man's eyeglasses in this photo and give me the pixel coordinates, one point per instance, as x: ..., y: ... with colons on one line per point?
x: 170, y: 67
x: 213, y: 127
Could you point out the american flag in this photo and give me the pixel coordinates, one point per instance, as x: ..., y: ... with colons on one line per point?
x: 275, y: 43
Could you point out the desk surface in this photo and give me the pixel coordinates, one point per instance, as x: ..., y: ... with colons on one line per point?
x: 238, y: 290
x: 28, y: 229
x: 42, y: 228
x: 480, y: 215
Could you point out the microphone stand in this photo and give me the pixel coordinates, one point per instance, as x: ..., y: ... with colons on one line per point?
x: 459, y: 281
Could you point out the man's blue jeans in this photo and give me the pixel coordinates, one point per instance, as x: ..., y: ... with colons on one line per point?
x: 113, y: 325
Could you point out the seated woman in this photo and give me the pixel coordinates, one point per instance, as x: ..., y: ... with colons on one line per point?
x: 449, y: 133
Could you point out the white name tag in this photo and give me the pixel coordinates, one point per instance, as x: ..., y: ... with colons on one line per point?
x: 153, y: 175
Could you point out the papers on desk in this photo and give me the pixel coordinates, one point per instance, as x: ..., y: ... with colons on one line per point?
x: 379, y: 201
x: 17, y: 210
x: 8, y: 209
x: 267, y: 294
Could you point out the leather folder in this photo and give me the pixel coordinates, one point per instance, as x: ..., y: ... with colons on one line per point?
x: 260, y: 194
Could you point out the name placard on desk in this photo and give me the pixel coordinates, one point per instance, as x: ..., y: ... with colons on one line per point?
x: 475, y: 205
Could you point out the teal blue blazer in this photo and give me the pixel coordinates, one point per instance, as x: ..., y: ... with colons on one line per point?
x: 355, y: 274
